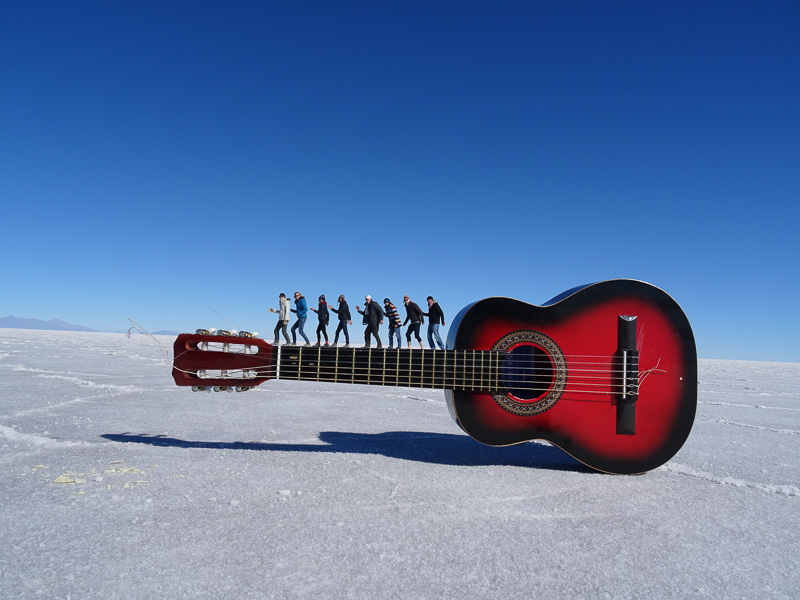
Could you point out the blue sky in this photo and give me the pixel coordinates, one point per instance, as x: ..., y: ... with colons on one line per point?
x: 162, y: 161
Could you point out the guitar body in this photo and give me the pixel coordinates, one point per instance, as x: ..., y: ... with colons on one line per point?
x: 574, y: 341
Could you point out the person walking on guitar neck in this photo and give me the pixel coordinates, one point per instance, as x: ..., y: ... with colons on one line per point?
x: 283, y: 318
x: 435, y: 315
x: 394, y: 322
x: 344, y: 318
x: 413, y: 314
x: 373, y: 317
x: 302, y: 314
x: 324, y: 317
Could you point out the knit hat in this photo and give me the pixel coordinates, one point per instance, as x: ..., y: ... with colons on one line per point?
x: 387, y: 301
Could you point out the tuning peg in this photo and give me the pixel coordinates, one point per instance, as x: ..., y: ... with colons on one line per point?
x: 248, y: 334
x: 205, y: 331
x: 226, y: 332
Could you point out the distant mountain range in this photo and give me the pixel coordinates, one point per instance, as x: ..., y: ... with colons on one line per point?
x: 53, y: 325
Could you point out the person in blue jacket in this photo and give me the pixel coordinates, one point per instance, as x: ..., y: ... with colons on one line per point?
x: 302, y: 314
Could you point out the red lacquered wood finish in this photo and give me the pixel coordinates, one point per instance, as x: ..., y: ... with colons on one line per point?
x: 582, y: 422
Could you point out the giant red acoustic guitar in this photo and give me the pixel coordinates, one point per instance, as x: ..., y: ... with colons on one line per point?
x: 607, y: 372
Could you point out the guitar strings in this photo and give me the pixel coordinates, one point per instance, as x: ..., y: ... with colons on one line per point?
x: 327, y: 368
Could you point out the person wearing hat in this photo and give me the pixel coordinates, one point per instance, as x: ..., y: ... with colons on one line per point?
x: 394, y: 322
x: 344, y: 319
x: 324, y: 318
x: 413, y: 314
x: 435, y: 315
x: 373, y: 318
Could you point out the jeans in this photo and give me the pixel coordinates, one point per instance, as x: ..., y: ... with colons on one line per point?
x: 392, y: 332
x: 433, y: 334
x: 281, y: 328
x: 342, y: 327
x: 299, y: 324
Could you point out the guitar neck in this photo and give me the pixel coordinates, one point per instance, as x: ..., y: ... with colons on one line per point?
x: 473, y: 370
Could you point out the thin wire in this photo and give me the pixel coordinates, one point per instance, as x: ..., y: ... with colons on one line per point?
x: 142, y: 330
x: 224, y: 319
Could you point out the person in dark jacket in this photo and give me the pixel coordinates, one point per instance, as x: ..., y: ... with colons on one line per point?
x: 344, y: 319
x: 324, y: 318
x: 414, y: 315
x: 373, y: 318
x: 302, y: 315
x: 435, y: 318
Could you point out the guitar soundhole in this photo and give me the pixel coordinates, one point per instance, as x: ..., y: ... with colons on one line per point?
x: 532, y: 370
x: 527, y: 372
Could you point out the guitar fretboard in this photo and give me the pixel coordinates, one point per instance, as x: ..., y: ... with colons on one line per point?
x: 464, y: 370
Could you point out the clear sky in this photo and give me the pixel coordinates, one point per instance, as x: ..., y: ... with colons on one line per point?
x: 163, y: 160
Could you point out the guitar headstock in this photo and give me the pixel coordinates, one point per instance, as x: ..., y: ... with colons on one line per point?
x: 221, y: 360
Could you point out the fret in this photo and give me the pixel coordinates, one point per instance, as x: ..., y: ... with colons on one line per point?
x: 383, y: 371
x: 464, y: 354
x: 469, y: 372
x: 328, y: 363
x: 496, y: 357
x: 455, y: 369
x: 361, y: 360
x: 487, y: 374
x: 403, y: 367
x: 319, y: 360
x: 416, y: 370
x: 290, y: 364
x: 299, y: 364
x: 464, y: 358
x: 440, y: 357
x: 428, y: 360
x: 482, y: 357
x: 400, y: 354
x: 336, y: 366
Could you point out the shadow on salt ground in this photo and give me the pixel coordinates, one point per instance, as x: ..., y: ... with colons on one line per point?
x: 436, y: 448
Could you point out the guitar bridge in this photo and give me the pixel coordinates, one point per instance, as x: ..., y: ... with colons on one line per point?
x: 627, y: 367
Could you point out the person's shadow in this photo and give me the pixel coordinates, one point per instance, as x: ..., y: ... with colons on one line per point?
x: 437, y: 448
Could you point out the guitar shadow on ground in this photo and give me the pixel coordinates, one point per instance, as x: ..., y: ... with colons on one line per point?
x: 435, y: 448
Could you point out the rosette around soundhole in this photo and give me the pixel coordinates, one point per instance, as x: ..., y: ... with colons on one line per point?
x: 533, y: 372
